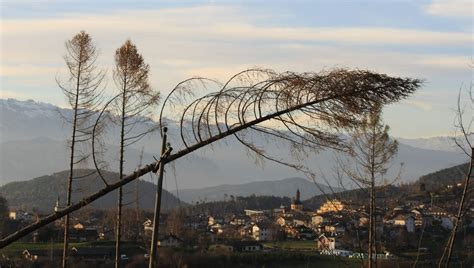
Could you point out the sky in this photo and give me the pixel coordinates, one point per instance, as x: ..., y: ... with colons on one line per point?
x: 430, y: 40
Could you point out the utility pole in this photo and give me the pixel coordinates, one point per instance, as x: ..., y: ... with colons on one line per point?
x: 137, y: 199
x: 159, y: 189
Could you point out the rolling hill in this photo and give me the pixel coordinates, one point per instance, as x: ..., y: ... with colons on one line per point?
x: 443, y: 177
x: 42, y: 193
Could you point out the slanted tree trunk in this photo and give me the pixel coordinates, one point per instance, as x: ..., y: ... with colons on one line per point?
x: 338, y: 97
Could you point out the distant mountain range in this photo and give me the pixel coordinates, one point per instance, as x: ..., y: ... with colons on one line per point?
x: 441, y: 143
x: 42, y: 193
x: 34, y: 138
x: 282, y: 188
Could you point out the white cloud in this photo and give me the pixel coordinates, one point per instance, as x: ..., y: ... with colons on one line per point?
x: 208, y: 37
x: 450, y: 8
x: 223, y: 23
x: 217, y: 42
x: 26, y: 70
x: 445, y: 62
x: 425, y: 106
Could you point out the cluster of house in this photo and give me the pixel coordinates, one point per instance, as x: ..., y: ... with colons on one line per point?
x: 326, y: 226
x: 291, y: 222
x: 419, y: 217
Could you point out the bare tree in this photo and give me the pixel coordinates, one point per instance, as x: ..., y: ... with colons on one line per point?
x: 464, y: 139
x: 250, y: 101
x: 83, y: 92
x: 136, y: 98
x: 371, y: 151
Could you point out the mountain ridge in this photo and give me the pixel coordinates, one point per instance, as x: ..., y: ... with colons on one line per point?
x: 41, y: 193
x: 225, y: 162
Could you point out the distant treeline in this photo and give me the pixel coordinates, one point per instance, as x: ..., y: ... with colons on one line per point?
x: 239, y: 203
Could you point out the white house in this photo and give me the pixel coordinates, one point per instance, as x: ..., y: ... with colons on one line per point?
x: 317, y: 220
x: 262, y: 232
x: 326, y: 243
x: 407, y: 221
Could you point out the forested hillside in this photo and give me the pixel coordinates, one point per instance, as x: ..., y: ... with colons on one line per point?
x: 42, y: 193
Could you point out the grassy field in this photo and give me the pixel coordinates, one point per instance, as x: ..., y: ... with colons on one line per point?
x: 16, y: 248
x: 295, y: 254
x: 291, y: 245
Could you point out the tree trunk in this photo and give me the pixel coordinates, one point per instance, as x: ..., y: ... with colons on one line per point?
x: 371, y: 225
x: 120, y: 191
x: 71, y: 169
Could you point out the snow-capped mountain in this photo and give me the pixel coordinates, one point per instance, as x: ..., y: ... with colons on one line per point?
x: 26, y: 120
x: 29, y: 108
x: 34, y: 142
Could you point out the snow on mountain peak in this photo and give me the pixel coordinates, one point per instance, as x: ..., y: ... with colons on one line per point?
x: 29, y: 108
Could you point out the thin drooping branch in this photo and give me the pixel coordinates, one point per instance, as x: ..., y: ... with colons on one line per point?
x: 95, y: 134
x: 252, y: 94
x: 336, y: 99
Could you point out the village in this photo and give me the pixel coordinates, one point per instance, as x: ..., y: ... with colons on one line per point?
x: 334, y: 228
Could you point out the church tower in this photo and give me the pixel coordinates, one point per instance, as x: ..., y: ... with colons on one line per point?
x: 296, y: 204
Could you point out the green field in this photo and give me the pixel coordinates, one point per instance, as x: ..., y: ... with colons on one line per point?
x: 284, y: 254
x: 291, y: 245
x: 16, y: 248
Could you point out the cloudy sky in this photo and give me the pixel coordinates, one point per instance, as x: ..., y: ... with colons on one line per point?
x: 431, y: 40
